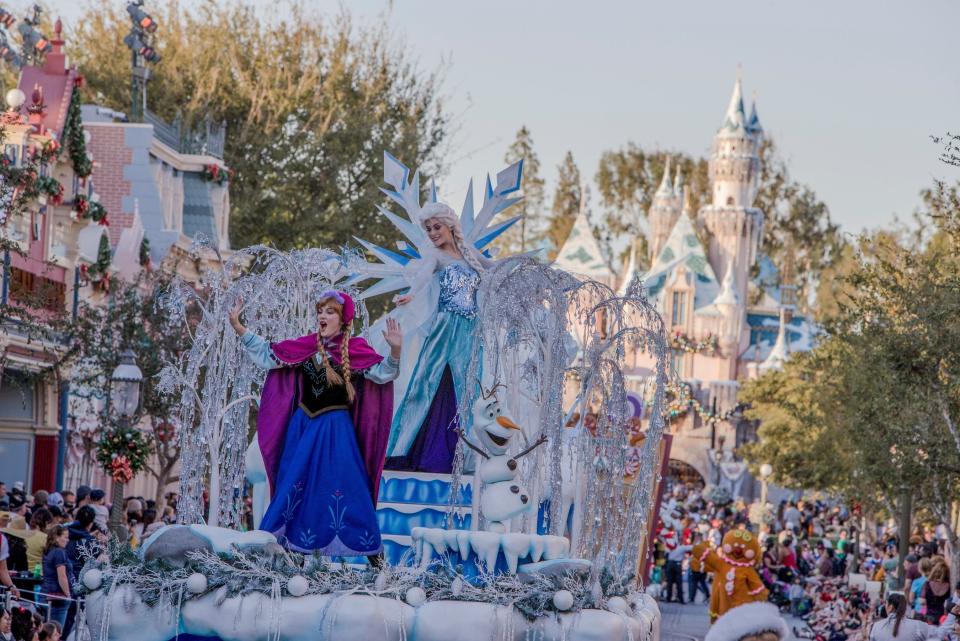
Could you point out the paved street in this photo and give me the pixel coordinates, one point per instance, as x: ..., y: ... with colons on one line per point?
x: 690, y: 622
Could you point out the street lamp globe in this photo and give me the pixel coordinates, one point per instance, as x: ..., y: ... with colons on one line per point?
x: 766, y: 470
x: 126, y: 385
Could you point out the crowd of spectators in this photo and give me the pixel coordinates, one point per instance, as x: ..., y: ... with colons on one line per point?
x: 45, y: 538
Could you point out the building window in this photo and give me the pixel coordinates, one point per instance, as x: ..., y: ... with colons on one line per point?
x: 678, y: 313
x: 730, y: 200
x: 16, y: 397
x: 37, y: 291
x: 676, y: 362
x: 11, y: 152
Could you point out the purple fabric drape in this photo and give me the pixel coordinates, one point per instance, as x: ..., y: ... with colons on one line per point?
x: 372, y: 409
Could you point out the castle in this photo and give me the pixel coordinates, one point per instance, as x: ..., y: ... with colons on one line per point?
x: 724, y: 325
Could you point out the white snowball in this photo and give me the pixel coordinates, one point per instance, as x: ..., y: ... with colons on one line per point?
x: 93, y: 579
x: 617, y: 604
x: 563, y: 600
x: 196, y: 583
x: 298, y: 585
x: 416, y: 596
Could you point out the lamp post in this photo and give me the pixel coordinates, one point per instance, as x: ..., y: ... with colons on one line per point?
x: 765, y: 471
x: 125, y: 398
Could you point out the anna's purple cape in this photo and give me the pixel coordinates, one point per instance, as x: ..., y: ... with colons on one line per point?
x: 372, y: 409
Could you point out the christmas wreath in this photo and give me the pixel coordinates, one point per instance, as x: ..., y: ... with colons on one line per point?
x: 50, y: 187
x: 122, y: 452
x: 216, y: 173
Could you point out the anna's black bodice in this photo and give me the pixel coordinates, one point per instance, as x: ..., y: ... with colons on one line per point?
x: 316, y: 395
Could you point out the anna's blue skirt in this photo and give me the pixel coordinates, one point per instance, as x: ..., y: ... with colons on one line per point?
x: 322, y: 502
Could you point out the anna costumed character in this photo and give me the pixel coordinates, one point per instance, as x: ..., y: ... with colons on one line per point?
x: 323, y: 425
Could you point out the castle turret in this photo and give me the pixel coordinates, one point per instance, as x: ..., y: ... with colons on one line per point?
x: 735, y: 226
x: 664, y: 211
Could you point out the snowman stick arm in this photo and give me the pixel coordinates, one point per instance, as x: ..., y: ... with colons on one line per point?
x: 540, y: 441
x: 472, y: 446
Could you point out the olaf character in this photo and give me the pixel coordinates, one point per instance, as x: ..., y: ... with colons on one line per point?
x: 501, y: 499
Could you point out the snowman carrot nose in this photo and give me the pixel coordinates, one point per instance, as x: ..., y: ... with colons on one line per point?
x: 503, y: 421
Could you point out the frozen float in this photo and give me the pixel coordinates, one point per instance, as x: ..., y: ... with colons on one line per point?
x: 532, y: 536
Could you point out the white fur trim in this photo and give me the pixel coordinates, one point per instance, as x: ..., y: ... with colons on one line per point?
x: 748, y: 619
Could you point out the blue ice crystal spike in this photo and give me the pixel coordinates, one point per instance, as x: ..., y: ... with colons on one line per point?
x: 494, y: 232
x: 505, y: 203
x: 487, y: 196
x: 382, y: 253
x: 389, y: 284
x: 466, y: 218
x: 412, y: 231
x: 395, y: 196
x: 414, y: 193
x: 395, y: 173
x: 433, y: 190
x: 509, y: 179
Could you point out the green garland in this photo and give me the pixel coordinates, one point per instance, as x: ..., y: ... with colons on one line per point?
x: 684, y: 343
x: 100, y: 270
x: 87, y: 209
x: 144, y: 252
x: 216, y: 173
x: 73, y: 137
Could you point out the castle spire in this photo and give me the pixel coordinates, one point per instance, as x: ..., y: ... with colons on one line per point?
x: 728, y: 288
x: 678, y: 184
x: 664, y: 188
x: 753, y: 123
x: 735, y: 116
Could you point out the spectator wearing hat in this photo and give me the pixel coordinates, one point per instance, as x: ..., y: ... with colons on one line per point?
x: 98, y: 503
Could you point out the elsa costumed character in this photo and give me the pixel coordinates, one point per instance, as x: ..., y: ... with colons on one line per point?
x: 441, y: 262
x: 322, y: 428
x: 423, y: 436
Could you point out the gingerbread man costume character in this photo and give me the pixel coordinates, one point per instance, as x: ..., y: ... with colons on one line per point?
x: 735, y: 579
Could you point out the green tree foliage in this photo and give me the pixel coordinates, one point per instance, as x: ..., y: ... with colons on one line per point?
x: 568, y: 197
x: 873, y: 411
x: 310, y: 104
x: 527, y: 233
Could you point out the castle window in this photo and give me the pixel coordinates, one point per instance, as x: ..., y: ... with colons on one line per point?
x: 730, y: 200
x: 679, y: 302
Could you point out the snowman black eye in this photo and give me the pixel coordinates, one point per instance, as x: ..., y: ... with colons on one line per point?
x: 514, y: 489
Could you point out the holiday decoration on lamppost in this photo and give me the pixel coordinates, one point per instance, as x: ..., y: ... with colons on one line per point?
x: 122, y: 451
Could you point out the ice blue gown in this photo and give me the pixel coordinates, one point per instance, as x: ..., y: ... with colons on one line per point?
x: 422, y: 437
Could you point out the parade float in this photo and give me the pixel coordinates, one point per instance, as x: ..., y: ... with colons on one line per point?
x: 529, y: 529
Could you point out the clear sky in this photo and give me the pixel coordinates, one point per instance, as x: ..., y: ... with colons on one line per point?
x: 851, y: 90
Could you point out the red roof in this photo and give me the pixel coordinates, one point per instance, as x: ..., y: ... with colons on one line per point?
x: 57, y: 82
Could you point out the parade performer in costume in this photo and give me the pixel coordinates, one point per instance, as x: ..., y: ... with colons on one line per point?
x: 735, y: 578
x: 423, y: 436
x: 440, y: 265
x: 322, y: 428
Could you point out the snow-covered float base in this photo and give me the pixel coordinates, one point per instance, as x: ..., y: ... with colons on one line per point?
x: 122, y: 616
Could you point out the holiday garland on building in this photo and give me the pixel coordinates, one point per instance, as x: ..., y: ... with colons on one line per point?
x: 144, y: 257
x: 86, y: 209
x: 216, y: 173
x: 684, y: 343
x: 99, y: 272
x: 681, y: 400
x: 73, y: 136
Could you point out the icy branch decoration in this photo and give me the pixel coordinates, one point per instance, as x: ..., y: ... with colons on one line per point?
x: 215, y: 381
x: 558, y: 345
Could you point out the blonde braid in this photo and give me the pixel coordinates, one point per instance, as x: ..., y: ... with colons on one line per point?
x: 461, y: 243
x: 345, y: 359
